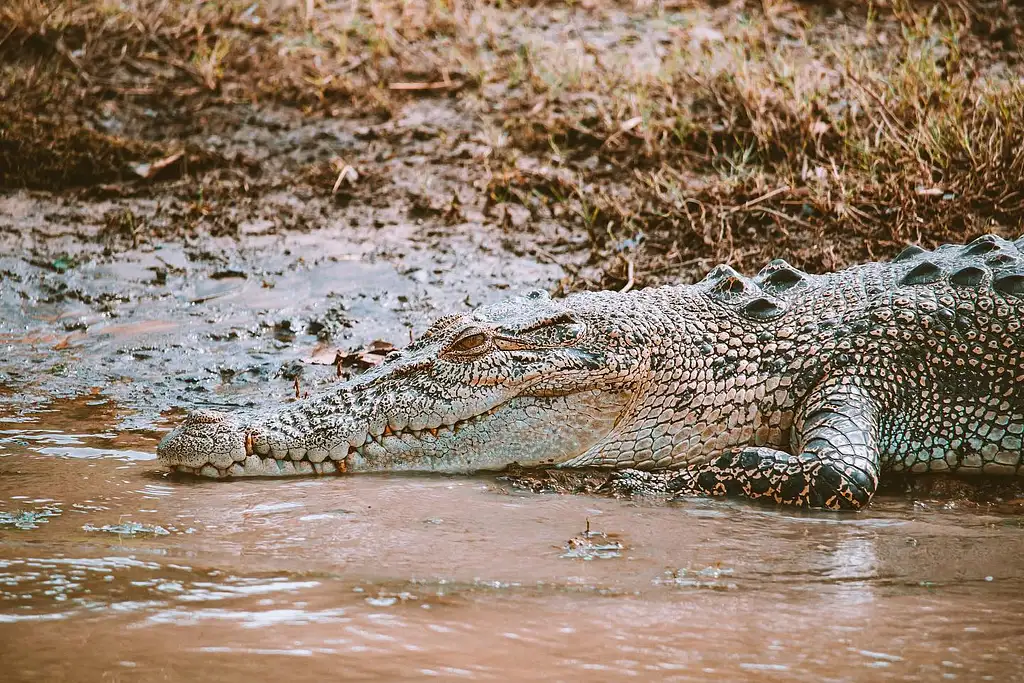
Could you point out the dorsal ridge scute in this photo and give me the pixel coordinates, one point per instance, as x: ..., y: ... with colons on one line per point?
x: 989, y: 262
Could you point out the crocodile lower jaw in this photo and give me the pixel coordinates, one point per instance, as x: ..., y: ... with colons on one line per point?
x: 302, y: 461
x: 264, y: 466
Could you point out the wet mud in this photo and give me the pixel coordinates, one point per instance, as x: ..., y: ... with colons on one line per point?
x: 225, y: 322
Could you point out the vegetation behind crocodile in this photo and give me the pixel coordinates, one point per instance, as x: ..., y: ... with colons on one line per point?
x: 799, y: 388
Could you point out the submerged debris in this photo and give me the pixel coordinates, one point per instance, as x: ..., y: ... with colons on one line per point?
x: 707, y: 577
x: 593, y: 545
x: 129, y: 529
x: 387, y: 599
x: 553, y: 480
x: 29, y: 519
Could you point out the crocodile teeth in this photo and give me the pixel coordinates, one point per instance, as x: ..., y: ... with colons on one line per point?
x: 261, y: 459
x: 255, y: 466
x: 359, y: 438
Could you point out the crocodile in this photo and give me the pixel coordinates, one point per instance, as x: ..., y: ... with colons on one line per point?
x: 788, y: 387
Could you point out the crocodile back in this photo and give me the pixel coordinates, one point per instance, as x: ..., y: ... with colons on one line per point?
x: 934, y: 337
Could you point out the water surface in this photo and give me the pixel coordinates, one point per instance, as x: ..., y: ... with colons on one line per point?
x: 113, y: 570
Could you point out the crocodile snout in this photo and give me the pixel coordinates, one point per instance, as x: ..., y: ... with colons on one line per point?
x: 204, y: 439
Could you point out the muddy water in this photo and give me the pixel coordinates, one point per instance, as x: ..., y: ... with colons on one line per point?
x: 118, y: 572
x: 112, y: 570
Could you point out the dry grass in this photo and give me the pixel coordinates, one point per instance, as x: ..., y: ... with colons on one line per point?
x: 230, y: 51
x: 814, y: 139
x: 676, y: 134
x: 61, y: 60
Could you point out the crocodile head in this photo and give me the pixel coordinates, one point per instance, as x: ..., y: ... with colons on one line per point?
x: 529, y: 380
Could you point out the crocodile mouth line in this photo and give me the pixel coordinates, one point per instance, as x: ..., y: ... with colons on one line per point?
x: 299, y: 461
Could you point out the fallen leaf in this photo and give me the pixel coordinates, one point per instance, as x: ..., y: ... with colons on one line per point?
x: 323, y: 354
x: 369, y: 356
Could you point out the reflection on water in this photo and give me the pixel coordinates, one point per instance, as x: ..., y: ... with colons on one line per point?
x: 112, y: 570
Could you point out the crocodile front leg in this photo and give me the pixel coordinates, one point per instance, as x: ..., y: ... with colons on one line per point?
x: 836, y: 465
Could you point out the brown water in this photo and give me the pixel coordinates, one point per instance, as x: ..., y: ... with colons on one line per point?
x: 139, y: 576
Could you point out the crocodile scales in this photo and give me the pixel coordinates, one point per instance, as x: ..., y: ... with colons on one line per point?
x: 796, y: 388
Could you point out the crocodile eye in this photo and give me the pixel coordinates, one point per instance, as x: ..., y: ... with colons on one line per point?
x: 470, y: 344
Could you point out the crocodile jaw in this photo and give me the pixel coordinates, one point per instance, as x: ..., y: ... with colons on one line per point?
x: 527, y: 430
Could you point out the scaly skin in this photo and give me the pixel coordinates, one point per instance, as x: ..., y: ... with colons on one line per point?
x: 801, y: 389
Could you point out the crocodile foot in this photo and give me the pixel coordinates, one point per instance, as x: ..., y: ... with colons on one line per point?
x: 639, y: 483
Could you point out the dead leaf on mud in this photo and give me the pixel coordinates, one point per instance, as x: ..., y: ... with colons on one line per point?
x: 368, y: 356
x: 149, y: 169
x: 322, y: 354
